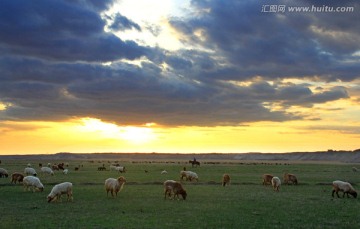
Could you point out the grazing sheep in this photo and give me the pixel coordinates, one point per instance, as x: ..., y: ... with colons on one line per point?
x: 61, y: 166
x: 3, y: 172
x: 65, y: 171
x: 101, y: 168
x: 47, y: 170
x: 354, y: 169
x: 30, y: 171
x: 275, y: 182
x: 225, y: 180
x: 58, y: 190
x: 114, y: 185
x: 164, y: 172
x: 112, y: 167
x: 189, y: 175
x: 290, y: 179
x: 33, y: 182
x: 267, y: 179
x: 192, y: 176
x: 171, y: 186
x: 120, y: 169
x: 344, y: 187
x: 183, y: 174
x: 17, y: 177
x: 55, y: 167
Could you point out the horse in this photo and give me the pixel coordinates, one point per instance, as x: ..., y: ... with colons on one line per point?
x: 196, y: 163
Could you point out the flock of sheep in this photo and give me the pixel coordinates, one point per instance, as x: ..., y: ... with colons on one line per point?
x: 338, y: 185
x: 31, y: 182
x: 172, y: 188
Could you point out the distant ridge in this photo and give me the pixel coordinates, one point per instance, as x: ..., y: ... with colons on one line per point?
x: 330, y: 155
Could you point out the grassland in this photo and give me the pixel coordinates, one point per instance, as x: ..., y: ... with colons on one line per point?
x: 244, y: 204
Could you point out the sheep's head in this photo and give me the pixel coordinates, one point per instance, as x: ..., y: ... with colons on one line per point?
x: 121, y: 180
x: 354, y: 194
x: 183, y: 194
x: 50, y: 198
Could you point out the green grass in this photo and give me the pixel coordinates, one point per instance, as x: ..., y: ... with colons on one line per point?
x: 244, y: 204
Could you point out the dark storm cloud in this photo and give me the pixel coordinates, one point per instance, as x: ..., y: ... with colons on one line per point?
x: 61, y: 31
x: 122, y: 23
x: 275, y: 44
x: 51, y: 55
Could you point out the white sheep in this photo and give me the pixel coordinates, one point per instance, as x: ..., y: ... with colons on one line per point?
x: 33, y: 182
x: 65, y: 171
x: 47, y: 170
x: 3, y: 173
x: 275, y: 181
x: 344, y: 187
x: 30, y: 171
x: 164, y: 172
x: 120, y: 169
x: 189, y: 175
x: 58, y: 190
x: 192, y: 176
x: 112, y: 167
x: 114, y: 185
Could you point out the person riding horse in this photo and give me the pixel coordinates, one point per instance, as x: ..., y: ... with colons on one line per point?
x: 194, y: 162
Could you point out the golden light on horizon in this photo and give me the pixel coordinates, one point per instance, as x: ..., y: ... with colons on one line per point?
x: 89, y: 135
x: 133, y: 134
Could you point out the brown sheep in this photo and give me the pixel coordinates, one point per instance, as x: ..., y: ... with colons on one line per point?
x: 16, y: 177
x: 171, y: 186
x: 225, y: 180
x: 290, y: 179
x: 267, y: 179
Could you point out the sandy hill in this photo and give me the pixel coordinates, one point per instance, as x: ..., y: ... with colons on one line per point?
x: 330, y: 155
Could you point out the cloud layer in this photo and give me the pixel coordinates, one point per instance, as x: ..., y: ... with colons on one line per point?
x: 236, y: 59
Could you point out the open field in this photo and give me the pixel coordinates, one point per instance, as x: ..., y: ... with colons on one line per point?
x: 244, y: 204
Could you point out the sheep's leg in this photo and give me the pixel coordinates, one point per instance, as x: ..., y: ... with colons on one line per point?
x: 166, y: 193
x: 58, y: 197
x: 337, y: 193
x: 69, y: 197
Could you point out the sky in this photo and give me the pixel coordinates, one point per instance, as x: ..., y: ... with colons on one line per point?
x: 190, y: 76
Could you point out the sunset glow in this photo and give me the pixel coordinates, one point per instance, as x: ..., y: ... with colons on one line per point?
x: 177, y: 76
